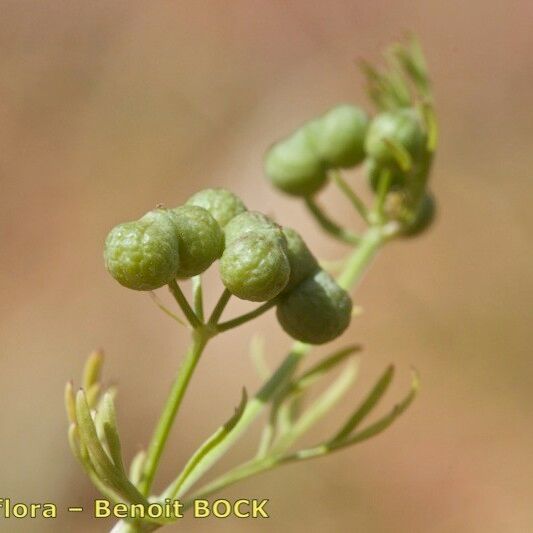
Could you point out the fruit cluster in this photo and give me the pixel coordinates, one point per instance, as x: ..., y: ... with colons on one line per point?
x: 259, y: 261
x: 393, y: 145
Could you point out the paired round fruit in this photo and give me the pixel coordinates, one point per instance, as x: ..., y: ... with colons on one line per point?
x: 163, y: 245
x: 298, y: 164
x: 144, y: 255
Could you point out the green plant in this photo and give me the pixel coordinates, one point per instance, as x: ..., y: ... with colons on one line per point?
x: 262, y: 261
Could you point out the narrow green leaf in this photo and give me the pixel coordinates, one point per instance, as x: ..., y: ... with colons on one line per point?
x: 327, y: 364
x: 318, y: 409
x: 411, y: 58
x: 105, y: 469
x: 377, y: 427
x: 430, y: 121
x: 82, y: 455
x: 89, y: 437
x: 136, y: 467
x: 93, y: 394
x: 365, y: 434
x: 202, y: 459
x: 109, y: 419
x: 366, y: 407
x: 257, y: 354
x: 92, y: 369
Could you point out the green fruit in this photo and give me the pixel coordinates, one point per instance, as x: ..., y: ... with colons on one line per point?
x: 403, y: 127
x: 255, y: 267
x: 251, y: 221
x: 201, y: 240
x: 316, y: 311
x: 222, y: 204
x: 302, y: 262
x: 339, y: 136
x: 423, y: 218
x: 294, y: 166
x: 398, y: 176
x: 143, y: 255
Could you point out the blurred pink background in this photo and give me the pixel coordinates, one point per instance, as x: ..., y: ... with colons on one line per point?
x: 108, y: 108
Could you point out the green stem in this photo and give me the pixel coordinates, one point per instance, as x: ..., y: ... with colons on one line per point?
x: 170, y: 410
x: 358, y: 204
x: 190, y: 315
x: 328, y: 225
x: 219, y: 307
x: 233, y: 323
x: 361, y: 257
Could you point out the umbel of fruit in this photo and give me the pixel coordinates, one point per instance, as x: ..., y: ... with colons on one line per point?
x: 260, y: 261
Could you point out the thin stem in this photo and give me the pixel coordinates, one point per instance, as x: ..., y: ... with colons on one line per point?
x: 361, y: 257
x: 170, y: 411
x: 198, y: 297
x: 219, y: 307
x: 358, y: 204
x: 328, y: 225
x: 233, y: 323
x: 184, y: 304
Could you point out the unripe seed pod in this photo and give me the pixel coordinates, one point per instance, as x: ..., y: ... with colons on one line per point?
x: 316, y: 311
x: 302, y: 262
x: 143, y: 255
x: 255, y: 267
x: 398, y: 176
x: 294, y: 166
x: 251, y: 221
x: 423, y: 218
x: 403, y: 127
x: 201, y: 239
x: 339, y: 136
x: 222, y: 204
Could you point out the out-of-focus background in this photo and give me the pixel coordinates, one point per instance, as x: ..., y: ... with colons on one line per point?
x: 108, y: 108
